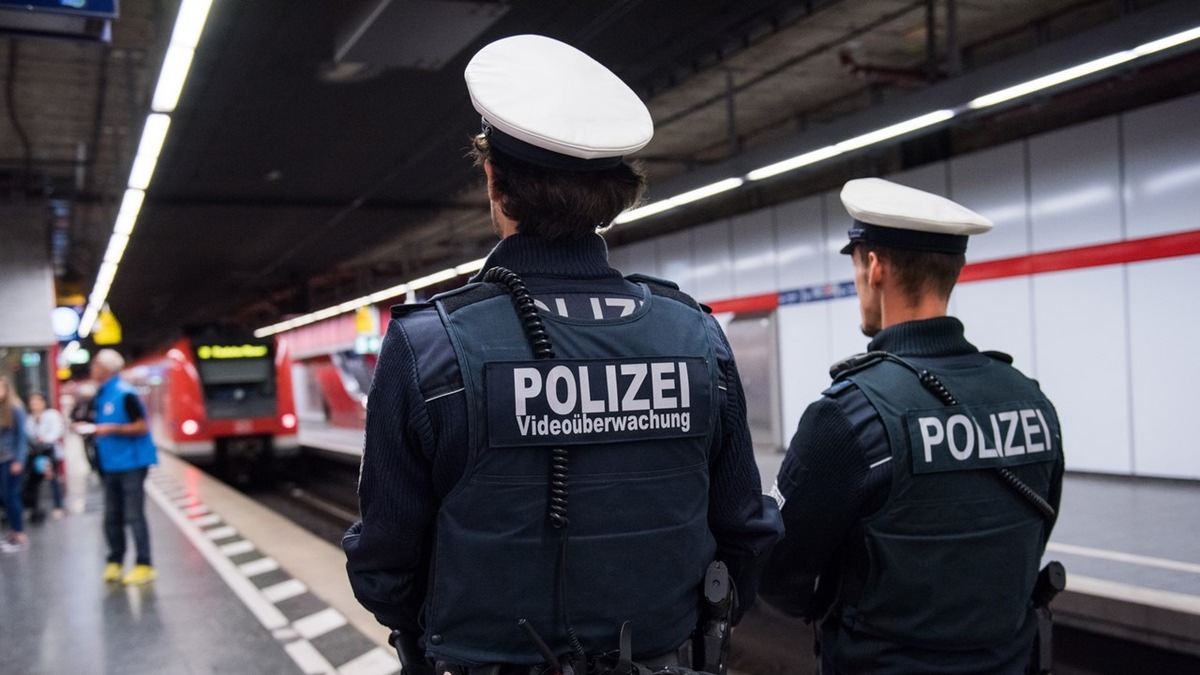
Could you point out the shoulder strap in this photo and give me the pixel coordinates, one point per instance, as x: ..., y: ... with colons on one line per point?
x: 853, y: 364
x: 998, y: 356
x: 667, y: 289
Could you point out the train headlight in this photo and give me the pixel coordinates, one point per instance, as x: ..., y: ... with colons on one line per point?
x: 189, y: 427
x: 288, y: 420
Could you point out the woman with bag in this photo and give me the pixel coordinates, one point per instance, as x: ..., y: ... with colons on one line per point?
x: 45, y: 428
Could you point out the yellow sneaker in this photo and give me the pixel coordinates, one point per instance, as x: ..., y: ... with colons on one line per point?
x: 140, y: 574
x: 112, y: 572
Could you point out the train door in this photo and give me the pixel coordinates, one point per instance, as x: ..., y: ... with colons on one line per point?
x: 755, y: 346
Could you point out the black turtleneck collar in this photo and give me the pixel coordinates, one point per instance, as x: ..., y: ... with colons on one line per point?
x: 941, y: 336
x: 527, y: 255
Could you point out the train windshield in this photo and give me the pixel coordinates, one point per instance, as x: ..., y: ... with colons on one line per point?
x: 238, y: 380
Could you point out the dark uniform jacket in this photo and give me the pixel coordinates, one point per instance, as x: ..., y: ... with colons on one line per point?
x: 925, y: 558
x: 454, y: 542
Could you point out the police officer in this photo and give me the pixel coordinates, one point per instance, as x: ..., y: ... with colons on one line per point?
x: 554, y: 450
x: 919, y: 491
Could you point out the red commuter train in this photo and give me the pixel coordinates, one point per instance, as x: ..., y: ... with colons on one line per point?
x: 221, y: 400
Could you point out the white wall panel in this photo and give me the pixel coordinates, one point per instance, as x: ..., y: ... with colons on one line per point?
x: 1166, y: 372
x: 837, y: 224
x: 675, y: 260
x: 1079, y: 324
x: 930, y: 178
x: 998, y: 315
x: 1162, y: 170
x: 992, y: 182
x: 639, y: 258
x: 845, y: 331
x: 711, y: 255
x: 804, y: 359
x: 1074, y: 186
x: 754, y: 266
x: 800, y: 241
x: 618, y: 258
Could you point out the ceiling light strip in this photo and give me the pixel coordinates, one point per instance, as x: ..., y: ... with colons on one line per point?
x: 376, y: 297
x: 189, y: 24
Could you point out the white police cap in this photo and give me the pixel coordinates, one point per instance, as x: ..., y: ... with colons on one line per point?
x: 897, y: 216
x: 548, y: 103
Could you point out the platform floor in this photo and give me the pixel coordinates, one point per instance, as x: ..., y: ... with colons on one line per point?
x: 240, y: 590
x: 1131, y: 547
x: 243, y: 590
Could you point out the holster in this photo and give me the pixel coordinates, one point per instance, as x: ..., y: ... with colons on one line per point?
x: 710, y: 647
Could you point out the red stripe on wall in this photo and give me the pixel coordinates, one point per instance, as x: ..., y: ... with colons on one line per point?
x: 753, y: 303
x: 1135, y: 250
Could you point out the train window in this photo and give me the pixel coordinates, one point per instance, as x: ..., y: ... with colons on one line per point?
x: 234, y: 388
x: 239, y: 371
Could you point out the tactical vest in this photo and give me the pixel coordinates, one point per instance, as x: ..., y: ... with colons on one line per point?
x: 120, y: 452
x: 633, y: 401
x: 954, y: 552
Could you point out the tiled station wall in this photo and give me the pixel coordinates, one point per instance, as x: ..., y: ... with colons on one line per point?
x: 1093, y: 280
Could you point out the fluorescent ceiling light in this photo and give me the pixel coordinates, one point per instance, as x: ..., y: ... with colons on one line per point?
x: 87, y: 321
x: 811, y: 157
x: 435, y: 278
x: 899, y: 129
x: 679, y: 200
x: 154, y: 134
x: 142, y: 171
x: 1167, y: 42
x: 388, y: 293
x: 190, y: 23
x: 182, y: 48
x: 1053, y: 79
x: 378, y: 296
x: 871, y: 138
x: 131, y: 205
x: 171, y: 79
x: 116, y: 248
x: 471, y: 267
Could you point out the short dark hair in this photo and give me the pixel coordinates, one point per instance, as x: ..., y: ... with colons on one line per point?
x: 559, y: 204
x: 918, y: 272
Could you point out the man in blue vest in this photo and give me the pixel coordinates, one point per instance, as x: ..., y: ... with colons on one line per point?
x: 554, y: 453
x: 125, y: 452
x: 920, y: 490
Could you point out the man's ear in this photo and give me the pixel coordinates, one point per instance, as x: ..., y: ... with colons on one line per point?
x: 877, y: 269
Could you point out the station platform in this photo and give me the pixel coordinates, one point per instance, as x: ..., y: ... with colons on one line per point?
x: 1131, y: 547
x: 243, y: 590
x: 240, y: 589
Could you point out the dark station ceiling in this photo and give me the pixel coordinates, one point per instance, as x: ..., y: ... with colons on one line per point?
x: 292, y: 179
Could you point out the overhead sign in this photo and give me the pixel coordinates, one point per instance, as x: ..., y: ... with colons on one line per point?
x: 206, y: 352
x: 366, y: 320
x: 108, y: 329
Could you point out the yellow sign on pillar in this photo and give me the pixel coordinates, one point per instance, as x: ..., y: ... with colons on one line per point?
x: 108, y: 329
x: 366, y: 320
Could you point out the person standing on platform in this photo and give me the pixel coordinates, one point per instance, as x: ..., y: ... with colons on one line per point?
x: 45, y: 428
x: 125, y: 452
x: 600, y: 410
x: 14, y: 450
x: 907, y: 532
